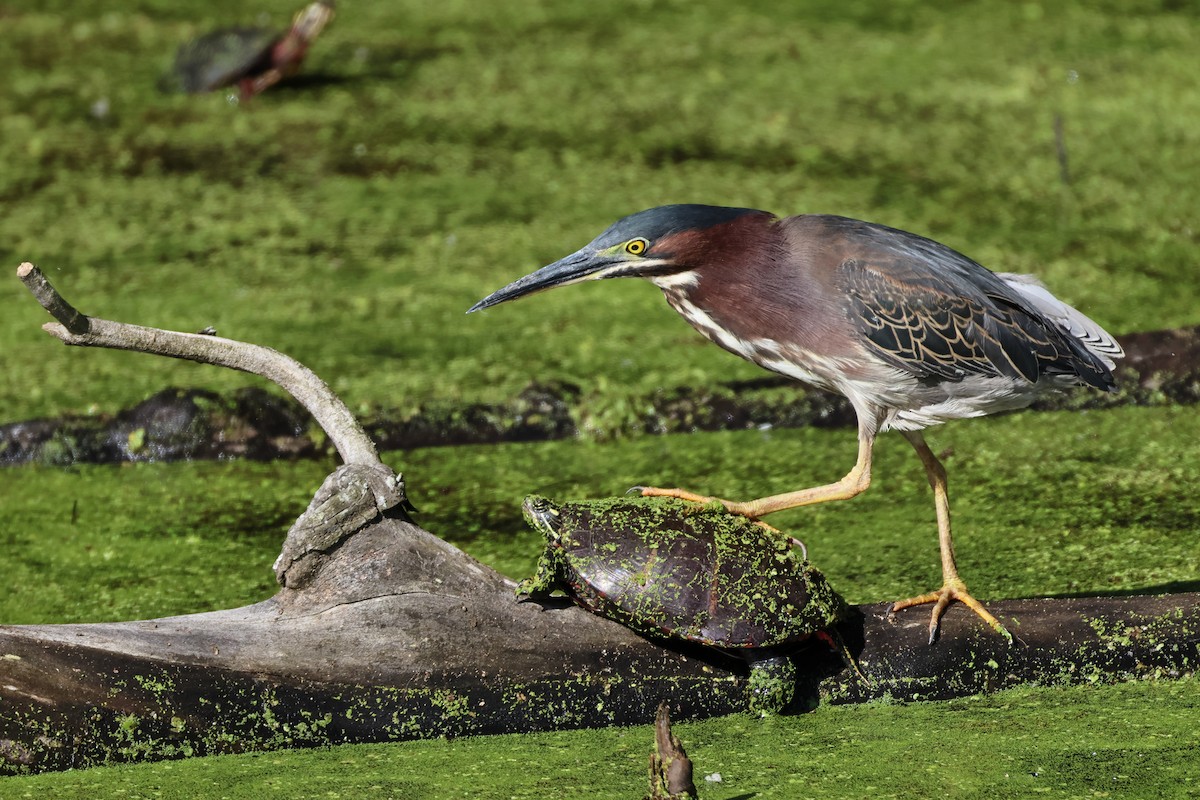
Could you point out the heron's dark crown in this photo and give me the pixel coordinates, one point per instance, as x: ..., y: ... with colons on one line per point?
x: 655, y: 223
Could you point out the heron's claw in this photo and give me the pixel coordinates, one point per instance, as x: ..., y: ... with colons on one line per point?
x: 954, y: 589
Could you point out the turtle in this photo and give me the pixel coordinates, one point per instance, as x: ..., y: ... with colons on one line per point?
x: 675, y: 570
x: 253, y: 58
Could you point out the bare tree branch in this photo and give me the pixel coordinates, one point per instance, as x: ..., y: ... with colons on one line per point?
x: 75, y: 328
x: 51, y: 300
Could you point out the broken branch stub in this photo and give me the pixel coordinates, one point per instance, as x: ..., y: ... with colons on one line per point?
x: 354, y: 496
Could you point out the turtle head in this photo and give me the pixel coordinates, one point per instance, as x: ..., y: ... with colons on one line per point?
x: 544, y: 517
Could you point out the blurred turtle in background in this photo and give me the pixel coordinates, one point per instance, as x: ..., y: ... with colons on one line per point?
x: 252, y: 58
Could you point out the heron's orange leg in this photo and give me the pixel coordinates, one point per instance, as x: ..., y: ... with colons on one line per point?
x: 855, y: 483
x: 953, y: 587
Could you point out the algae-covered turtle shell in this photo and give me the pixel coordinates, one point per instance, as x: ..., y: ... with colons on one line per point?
x: 671, y: 568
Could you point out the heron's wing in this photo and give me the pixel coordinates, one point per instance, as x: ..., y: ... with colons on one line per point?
x: 936, y: 314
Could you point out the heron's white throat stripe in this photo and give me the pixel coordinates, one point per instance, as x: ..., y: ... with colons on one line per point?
x: 620, y: 269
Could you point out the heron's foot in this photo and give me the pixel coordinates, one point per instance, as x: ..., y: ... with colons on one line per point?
x: 954, y: 589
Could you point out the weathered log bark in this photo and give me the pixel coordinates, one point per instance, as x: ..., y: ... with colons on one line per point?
x: 383, y: 631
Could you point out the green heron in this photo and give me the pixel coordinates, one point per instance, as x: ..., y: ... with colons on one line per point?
x: 253, y: 58
x: 911, y: 332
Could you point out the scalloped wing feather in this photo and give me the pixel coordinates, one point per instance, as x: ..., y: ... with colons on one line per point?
x: 935, y: 314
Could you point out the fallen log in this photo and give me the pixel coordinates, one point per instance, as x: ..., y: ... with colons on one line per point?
x: 438, y: 646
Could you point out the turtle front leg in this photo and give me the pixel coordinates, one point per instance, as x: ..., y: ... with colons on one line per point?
x: 545, y: 579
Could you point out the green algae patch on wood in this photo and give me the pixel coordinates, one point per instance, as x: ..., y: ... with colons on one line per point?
x: 1064, y: 641
x: 110, y: 708
x: 178, y: 710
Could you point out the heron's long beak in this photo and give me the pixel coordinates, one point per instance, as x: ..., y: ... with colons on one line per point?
x: 579, y: 266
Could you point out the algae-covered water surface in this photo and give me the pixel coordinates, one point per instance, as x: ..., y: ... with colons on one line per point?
x: 429, y: 154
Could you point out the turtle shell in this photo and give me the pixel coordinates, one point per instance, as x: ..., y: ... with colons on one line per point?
x: 694, y: 572
x: 222, y: 57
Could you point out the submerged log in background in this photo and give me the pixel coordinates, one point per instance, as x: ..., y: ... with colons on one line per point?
x: 174, y: 424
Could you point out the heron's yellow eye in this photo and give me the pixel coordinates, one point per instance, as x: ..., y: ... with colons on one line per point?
x: 635, y: 247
